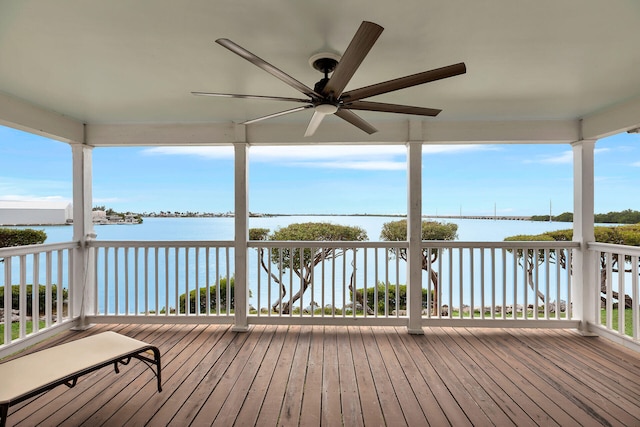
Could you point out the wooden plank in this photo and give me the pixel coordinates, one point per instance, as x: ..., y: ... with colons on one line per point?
x: 542, y: 409
x: 312, y: 400
x: 401, y: 386
x: 511, y: 399
x: 248, y: 413
x: 468, y: 395
x: 582, y: 384
x: 240, y: 386
x: 391, y: 409
x: 330, y: 385
x: 351, y: 409
x: 371, y: 409
x: 291, y: 405
x: 427, y: 370
x: 176, y: 372
x: 353, y: 376
x: 223, y: 372
x: 272, y: 405
x: 423, y: 391
x: 547, y: 378
x: 197, y: 385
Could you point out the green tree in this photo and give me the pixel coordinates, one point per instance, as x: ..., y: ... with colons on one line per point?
x: 621, y: 235
x: 431, y: 230
x: 301, y: 262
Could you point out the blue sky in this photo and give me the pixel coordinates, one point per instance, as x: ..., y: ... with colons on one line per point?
x: 467, y: 179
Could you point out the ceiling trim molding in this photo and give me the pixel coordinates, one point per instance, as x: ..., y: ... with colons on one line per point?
x: 22, y: 115
x: 618, y: 118
x: 390, y: 132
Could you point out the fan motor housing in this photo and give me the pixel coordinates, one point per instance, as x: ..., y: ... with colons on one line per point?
x: 325, y: 62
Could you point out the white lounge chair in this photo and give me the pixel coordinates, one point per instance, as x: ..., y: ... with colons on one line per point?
x: 35, y: 373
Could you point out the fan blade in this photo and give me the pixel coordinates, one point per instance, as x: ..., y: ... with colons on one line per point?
x: 316, y: 119
x: 281, y: 113
x: 356, y: 120
x: 405, y: 82
x: 391, y: 108
x: 357, y: 50
x: 235, y: 95
x: 259, y: 62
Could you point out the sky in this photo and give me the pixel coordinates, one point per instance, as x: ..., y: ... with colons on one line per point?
x: 506, y: 179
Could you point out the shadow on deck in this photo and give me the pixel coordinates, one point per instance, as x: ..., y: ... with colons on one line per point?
x: 304, y: 375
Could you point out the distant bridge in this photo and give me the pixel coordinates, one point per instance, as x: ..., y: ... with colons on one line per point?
x: 494, y: 217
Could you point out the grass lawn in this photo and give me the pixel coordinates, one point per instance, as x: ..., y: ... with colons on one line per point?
x: 15, y: 329
x: 628, y: 320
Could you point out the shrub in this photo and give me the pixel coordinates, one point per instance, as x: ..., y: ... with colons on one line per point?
x: 21, y: 237
x: 213, y: 294
x: 402, y: 295
x: 15, y: 297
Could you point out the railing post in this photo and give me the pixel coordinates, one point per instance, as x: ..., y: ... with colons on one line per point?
x: 241, y: 218
x: 414, y: 236
x: 82, y: 289
x: 585, y: 293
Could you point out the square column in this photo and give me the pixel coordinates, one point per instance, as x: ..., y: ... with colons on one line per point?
x: 586, y: 301
x: 414, y: 236
x: 241, y: 220
x: 83, y: 298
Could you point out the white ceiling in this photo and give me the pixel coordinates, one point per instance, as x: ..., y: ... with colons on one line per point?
x: 125, y: 62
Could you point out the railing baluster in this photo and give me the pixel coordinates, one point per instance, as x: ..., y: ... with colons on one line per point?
x: 22, y: 302
x: 635, y: 329
x: 621, y: 293
x: 7, y: 299
x: 35, y: 294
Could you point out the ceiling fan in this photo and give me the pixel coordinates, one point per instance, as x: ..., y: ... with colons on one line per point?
x: 328, y: 96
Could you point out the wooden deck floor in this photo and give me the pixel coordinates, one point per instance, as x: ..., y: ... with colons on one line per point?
x: 303, y: 375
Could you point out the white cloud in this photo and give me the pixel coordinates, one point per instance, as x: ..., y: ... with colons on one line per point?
x: 636, y: 164
x: 565, y: 157
x: 216, y: 152
x: 32, y: 198
x: 358, y: 165
x: 356, y: 157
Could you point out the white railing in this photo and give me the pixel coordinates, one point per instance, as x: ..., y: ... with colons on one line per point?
x: 497, y: 280
x: 159, y: 280
x: 617, y: 289
x: 294, y: 281
x: 36, y: 284
x: 465, y: 281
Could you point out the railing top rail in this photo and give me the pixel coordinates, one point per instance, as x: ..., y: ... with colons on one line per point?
x: 610, y: 247
x: 160, y: 243
x: 323, y: 244
x: 331, y: 244
x: 32, y: 249
x: 499, y: 245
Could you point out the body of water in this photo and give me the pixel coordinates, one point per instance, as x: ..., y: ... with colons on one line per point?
x: 216, y: 229
x: 223, y: 228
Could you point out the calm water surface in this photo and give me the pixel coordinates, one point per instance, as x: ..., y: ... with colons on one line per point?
x: 222, y: 228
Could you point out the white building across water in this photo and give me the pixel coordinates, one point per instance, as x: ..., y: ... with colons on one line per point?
x: 18, y: 212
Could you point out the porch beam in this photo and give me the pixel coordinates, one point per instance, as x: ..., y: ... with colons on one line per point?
x: 414, y: 235
x: 83, y: 292
x: 336, y: 132
x: 618, y: 118
x: 241, y: 220
x: 585, y: 293
x: 22, y: 115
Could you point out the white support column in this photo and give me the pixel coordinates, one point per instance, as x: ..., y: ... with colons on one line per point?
x: 83, y: 289
x: 241, y: 218
x: 414, y: 236
x: 584, y: 286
